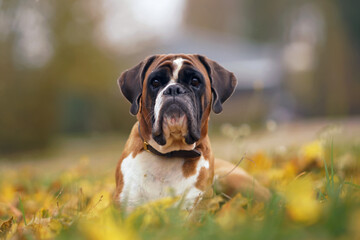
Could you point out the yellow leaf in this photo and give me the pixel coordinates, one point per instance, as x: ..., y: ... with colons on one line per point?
x: 312, y: 154
x: 302, y: 205
x: 106, y: 227
x: 232, y: 212
x: 152, y: 211
x: 5, y: 227
x: 259, y: 162
x: 7, y: 193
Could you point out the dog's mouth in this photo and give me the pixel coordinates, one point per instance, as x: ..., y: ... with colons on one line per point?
x: 176, y: 121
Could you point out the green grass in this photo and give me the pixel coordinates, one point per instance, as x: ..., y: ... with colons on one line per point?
x: 76, y: 204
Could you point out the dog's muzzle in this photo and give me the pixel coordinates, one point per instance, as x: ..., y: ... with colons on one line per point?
x: 176, y: 116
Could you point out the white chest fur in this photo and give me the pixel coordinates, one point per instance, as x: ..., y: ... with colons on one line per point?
x: 148, y: 177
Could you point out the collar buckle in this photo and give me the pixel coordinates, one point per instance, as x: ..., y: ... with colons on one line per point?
x: 146, y: 146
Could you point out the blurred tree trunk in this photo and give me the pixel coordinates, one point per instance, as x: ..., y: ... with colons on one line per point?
x: 335, y: 63
x: 349, y: 13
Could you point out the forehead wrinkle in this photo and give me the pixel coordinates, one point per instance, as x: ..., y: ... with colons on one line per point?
x: 167, y: 63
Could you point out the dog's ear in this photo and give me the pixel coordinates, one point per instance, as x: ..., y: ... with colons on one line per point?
x: 223, y: 82
x: 130, y: 83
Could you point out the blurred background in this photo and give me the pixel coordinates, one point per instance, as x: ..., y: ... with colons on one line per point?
x: 60, y: 60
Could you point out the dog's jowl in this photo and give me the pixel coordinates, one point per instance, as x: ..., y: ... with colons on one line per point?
x: 168, y: 152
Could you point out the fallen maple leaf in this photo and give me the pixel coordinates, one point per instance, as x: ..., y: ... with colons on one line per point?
x: 5, y: 228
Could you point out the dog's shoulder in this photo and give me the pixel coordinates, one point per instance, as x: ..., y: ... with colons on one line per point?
x: 133, y: 146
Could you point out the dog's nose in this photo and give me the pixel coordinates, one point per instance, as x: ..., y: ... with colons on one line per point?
x: 174, y: 90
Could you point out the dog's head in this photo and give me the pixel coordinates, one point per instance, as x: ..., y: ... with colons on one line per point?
x: 172, y: 96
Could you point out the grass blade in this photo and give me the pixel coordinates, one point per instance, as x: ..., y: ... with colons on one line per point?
x: 332, y: 163
x: 327, y: 176
x: 352, y: 184
x: 22, y: 210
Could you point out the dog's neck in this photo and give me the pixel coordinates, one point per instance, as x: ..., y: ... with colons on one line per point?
x: 174, y: 142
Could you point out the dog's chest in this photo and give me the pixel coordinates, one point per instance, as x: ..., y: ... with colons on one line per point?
x: 148, y: 177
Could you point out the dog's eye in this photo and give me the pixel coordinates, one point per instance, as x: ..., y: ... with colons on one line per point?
x: 195, y: 82
x: 155, y: 83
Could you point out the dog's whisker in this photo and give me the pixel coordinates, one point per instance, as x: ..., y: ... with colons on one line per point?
x: 148, y: 117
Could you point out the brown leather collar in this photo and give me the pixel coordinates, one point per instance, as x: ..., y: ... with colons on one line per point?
x: 174, y: 154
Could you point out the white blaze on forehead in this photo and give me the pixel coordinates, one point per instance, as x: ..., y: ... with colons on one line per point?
x: 177, y: 66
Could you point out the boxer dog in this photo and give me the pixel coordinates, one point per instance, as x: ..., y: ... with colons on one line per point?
x: 168, y: 152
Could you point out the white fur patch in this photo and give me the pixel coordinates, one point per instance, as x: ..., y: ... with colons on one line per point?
x: 178, y: 64
x: 148, y: 177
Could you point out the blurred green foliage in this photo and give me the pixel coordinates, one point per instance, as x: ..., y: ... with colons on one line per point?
x: 75, y: 90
